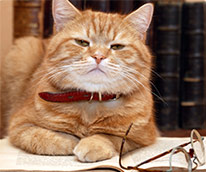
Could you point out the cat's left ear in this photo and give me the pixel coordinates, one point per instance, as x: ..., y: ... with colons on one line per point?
x: 63, y: 12
x: 141, y: 18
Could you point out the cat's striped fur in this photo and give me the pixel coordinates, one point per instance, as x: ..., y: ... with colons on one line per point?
x: 91, y: 130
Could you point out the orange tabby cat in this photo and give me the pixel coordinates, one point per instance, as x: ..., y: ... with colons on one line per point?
x: 91, y: 52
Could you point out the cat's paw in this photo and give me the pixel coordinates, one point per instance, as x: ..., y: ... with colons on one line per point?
x: 94, y: 148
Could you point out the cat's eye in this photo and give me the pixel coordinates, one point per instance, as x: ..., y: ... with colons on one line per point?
x: 117, y: 47
x: 83, y: 43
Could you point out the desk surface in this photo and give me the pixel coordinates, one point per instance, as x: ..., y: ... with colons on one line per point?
x: 181, y: 133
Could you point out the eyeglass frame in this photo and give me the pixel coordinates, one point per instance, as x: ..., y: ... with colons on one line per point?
x: 189, y: 155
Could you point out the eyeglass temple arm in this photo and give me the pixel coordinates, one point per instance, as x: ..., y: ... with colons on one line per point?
x: 123, y: 140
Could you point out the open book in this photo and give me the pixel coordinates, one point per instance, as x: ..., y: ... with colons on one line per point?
x: 12, y: 158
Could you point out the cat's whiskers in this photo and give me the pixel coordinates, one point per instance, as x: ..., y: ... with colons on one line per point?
x: 39, y: 74
x: 76, y: 65
x: 143, y: 76
x: 153, y: 71
x: 136, y: 85
x: 125, y: 68
x: 112, y: 69
x: 80, y: 62
x: 129, y: 75
x: 60, y: 70
x: 55, y: 74
x: 38, y: 81
x: 39, y: 77
x: 128, y: 69
x: 57, y: 71
x: 84, y: 66
x: 160, y: 98
x: 118, y: 69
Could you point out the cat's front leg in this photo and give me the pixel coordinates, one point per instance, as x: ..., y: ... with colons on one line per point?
x: 100, y: 147
x: 37, y: 140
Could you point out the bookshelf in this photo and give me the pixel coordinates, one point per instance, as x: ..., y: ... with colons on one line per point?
x: 181, y: 133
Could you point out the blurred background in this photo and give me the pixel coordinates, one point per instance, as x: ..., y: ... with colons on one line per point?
x: 176, y: 37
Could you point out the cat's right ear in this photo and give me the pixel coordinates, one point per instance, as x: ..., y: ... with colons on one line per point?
x: 141, y: 18
x: 63, y: 12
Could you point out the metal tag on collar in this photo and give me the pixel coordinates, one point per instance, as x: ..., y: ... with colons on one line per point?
x: 100, y: 96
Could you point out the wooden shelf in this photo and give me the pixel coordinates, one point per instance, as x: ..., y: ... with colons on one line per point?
x: 181, y: 133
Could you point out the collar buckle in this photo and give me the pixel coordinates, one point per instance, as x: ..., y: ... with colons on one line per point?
x: 92, y: 95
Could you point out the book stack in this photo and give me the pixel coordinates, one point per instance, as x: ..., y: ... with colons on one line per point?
x: 180, y: 58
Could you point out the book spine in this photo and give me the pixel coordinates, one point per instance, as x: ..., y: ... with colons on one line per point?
x: 97, y: 5
x: 205, y: 63
x: 77, y: 3
x: 28, y: 18
x: 167, y: 50
x: 48, y: 19
x: 122, y: 6
x: 192, y: 66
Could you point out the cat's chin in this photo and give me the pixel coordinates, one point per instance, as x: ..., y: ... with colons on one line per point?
x: 88, y: 88
x: 112, y: 87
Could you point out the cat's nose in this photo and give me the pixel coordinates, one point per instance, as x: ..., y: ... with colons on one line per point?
x: 98, y: 58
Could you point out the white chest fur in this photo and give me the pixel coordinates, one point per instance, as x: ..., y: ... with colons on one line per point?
x: 91, y: 111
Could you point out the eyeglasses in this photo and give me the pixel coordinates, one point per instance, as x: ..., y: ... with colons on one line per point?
x: 196, y: 154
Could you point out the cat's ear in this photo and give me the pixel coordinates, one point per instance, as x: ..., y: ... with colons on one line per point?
x: 141, y: 18
x: 63, y: 12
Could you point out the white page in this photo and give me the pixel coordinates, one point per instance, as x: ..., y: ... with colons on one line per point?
x: 13, y: 158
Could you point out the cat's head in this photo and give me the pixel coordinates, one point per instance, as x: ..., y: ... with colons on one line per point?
x: 99, y: 52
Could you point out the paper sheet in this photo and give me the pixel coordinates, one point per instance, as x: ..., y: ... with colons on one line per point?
x: 13, y: 158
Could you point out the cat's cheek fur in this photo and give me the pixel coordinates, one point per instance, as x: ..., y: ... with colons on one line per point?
x: 94, y: 148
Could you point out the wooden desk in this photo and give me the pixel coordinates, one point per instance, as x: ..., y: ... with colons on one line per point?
x: 181, y: 133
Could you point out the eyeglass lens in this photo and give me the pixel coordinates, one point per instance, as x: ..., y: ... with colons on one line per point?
x: 187, y: 157
x: 198, y: 146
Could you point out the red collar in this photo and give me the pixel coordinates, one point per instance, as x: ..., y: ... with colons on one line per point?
x: 72, y: 96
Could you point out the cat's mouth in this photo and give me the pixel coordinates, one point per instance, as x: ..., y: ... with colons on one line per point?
x: 97, y: 70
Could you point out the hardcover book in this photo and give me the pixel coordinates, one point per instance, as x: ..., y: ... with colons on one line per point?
x: 192, y: 66
x: 167, y: 50
x: 77, y: 3
x: 122, y: 6
x: 100, y: 5
x: 47, y: 19
x: 28, y: 18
